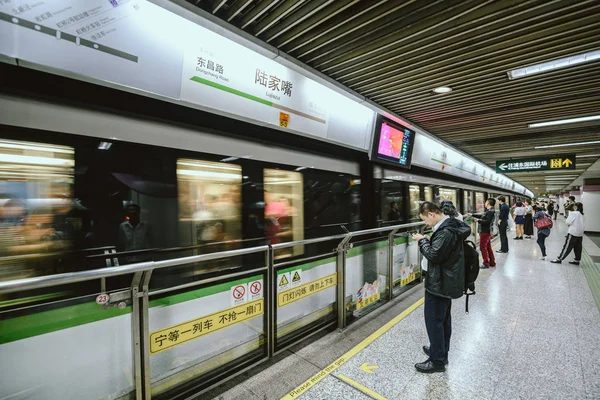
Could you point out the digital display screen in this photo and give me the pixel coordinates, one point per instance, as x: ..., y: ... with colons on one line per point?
x: 393, y: 143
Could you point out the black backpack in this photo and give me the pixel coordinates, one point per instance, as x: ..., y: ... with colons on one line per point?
x: 471, y: 269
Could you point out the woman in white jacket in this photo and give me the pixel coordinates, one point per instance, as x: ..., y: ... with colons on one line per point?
x: 574, y: 235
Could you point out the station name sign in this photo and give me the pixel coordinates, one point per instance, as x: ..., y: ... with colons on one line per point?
x: 560, y: 162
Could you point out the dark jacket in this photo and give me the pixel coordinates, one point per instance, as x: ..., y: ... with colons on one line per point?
x: 446, y: 259
x: 504, y: 212
x: 485, y: 222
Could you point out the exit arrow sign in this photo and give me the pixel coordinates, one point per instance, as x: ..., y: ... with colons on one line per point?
x: 548, y: 163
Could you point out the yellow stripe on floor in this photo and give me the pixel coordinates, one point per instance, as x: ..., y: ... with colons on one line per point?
x: 351, y: 353
x: 362, y: 388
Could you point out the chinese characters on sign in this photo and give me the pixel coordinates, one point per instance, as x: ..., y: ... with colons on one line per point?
x: 184, y: 332
x: 308, y: 289
x: 566, y: 161
x: 366, y: 301
x: 209, y: 64
x: 273, y: 83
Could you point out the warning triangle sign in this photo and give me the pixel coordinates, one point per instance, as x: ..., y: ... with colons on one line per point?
x: 283, y: 281
x: 296, y: 277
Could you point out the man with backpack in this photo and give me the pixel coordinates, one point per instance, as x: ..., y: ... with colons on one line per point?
x: 444, y: 281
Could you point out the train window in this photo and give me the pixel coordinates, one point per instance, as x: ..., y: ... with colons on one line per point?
x: 479, y: 202
x: 209, y: 200
x: 448, y: 194
x: 284, y: 209
x: 392, y: 199
x: 428, y: 193
x: 414, y: 193
x: 37, y: 213
x: 467, y: 202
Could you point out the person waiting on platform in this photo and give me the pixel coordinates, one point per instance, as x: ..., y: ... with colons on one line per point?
x: 519, y: 216
x: 528, y: 228
x: 444, y: 281
x: 448, y: 209
x: 503, y: 225
x: 574, y: 235
x: 542, y: 233
x: 485, y: 235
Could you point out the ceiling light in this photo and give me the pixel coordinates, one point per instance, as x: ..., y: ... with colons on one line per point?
x: 442, y: 89
x: 104, y: 145
x: 567, y: 144
x: 564, y: 121
x: 553, y: 65
x: 589, y: 155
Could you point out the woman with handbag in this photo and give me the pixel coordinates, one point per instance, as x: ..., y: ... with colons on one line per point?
x: 543, y: 223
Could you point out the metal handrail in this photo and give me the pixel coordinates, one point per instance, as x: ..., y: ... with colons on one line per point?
x: 81, y: 276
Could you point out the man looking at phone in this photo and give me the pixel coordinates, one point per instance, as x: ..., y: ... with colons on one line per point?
x: 444, y: 281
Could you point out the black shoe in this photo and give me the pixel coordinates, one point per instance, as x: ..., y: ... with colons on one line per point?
x: 429, y: 367
x: 516, y: 238
x: 527, y: 237
x: 556, y: 261
x: 500, y: 251
x: 574, y: 262
x: 426, y: 351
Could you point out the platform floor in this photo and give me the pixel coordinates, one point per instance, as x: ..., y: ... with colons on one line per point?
x: 533, y: 332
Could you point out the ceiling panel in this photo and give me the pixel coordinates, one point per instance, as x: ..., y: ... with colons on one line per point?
x: 396, y: 52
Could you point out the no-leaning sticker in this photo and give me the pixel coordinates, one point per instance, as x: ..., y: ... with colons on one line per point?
x: 239, y: 294
x: 256, y: 290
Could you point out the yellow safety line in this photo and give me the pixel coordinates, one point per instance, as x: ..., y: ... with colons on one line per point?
x: 362, y: 388
x: 351, y: 353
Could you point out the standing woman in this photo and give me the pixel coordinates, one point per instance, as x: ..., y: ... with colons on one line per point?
x: 542, y: 233
x: 519, y: 216
x: 528, y: 219
x: 574, y: 235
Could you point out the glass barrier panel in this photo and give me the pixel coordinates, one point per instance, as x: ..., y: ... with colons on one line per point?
x: 306, y: 297
x: 198, y: 334
x: 67, y: 349
x: 367, y: 280
x: 406, y: 268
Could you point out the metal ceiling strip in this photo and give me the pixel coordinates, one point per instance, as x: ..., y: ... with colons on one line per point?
x: 258, y: 11
x: 276, y: 15
x: 296, y: 18
x: 237, y: 8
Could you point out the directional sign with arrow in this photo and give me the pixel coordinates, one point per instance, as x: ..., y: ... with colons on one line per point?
x: 369, y: 369
x: 553, y: 163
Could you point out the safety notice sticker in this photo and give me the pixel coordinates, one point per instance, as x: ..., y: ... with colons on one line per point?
x: 283, y: 281
x: 296, y: 278
x: 256, y: 290
x: 239, y: 294
x: 175, y: 335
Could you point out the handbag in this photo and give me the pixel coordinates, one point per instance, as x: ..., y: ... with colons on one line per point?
x: 544, y: 223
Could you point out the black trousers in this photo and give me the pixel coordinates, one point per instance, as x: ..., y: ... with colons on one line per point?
x: 572, y: 242
x: 439, y: 326
x: 503, y: 238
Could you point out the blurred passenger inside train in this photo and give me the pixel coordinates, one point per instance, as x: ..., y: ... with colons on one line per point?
x: 134, y: 234
x: 394, y: 213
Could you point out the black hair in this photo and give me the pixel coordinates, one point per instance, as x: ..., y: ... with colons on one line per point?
x: 448, y: 208
x: 572, y: 198
x: 134, y: 206
x: 427, y: 207
x: 519, y: 204
x: 392, y: 204
x: 528, y: 201
x: 501, y: 198
x: 492, y: 201
x: 579, y: 207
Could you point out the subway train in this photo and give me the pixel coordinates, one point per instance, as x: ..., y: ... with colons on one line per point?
x: 95, y: 178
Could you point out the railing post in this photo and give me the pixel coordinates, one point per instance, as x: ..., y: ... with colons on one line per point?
x: 391, y: 262
x: 136, y: 335
x: 271, y: 297
x: 146, y: 336
x: 341, y: 280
